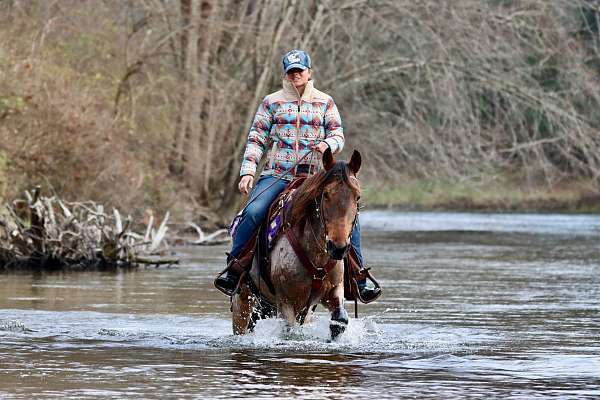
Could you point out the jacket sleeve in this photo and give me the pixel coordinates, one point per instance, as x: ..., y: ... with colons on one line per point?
x: 334, y: 133
x: 258, y: 139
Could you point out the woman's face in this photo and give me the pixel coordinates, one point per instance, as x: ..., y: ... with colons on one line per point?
x: 298, y: 77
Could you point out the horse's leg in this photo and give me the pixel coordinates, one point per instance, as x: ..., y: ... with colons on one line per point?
x: 334, y: 301
x: 241, y: 308
x: 287, y: 312
x: 339, y: 322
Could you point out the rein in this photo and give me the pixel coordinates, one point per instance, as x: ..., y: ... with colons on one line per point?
x: 280, y: 177
x: 318, y: 273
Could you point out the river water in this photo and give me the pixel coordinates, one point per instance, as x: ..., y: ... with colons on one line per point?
x: 475, y: 306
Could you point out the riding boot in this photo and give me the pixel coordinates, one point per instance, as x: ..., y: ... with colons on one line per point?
x: 229, y: 280
x: 368, y: 294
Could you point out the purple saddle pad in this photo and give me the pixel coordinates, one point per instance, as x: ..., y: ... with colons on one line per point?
x: 273, y: 229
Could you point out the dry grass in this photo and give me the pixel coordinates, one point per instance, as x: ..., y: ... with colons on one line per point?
x: 58, y: 129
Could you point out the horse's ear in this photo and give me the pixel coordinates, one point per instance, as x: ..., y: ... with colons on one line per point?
x: 355, y: 162
x: 328, y: 160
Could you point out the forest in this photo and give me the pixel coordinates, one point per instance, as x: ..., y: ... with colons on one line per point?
x: 145, y: 105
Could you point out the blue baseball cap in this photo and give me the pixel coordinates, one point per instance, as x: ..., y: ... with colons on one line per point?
x: 296, y: 59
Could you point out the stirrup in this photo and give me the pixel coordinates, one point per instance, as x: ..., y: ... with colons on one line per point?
x: 377, y: 288
x: 225, y: 290
x: 368, y: 295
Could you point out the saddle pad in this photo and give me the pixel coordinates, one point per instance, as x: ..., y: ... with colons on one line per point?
x: 275, y: 224
x: 275, y: 221
x: 275, y: 214
x: 277, y: 210
x: 234, y: 224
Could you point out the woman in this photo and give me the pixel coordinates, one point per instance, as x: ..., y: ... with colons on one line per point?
x: 277, y: 127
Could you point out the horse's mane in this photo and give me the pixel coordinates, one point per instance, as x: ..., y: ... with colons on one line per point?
x: 313, y: 186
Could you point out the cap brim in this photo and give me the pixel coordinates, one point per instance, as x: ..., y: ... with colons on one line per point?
x: 292, y: 66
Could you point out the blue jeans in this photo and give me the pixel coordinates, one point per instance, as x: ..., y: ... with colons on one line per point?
x: 256, y: 211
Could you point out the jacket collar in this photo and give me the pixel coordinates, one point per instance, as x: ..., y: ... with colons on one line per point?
x: 291, y: 91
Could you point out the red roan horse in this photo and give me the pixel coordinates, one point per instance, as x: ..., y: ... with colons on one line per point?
x: 318, y: 223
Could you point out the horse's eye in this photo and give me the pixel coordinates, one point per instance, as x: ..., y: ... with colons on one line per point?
x: 326, y: 195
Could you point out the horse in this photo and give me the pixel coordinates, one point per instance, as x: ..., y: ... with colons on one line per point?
x: 307, y: 259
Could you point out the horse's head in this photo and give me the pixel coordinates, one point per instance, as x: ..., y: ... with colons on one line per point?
x: 330, y: 198
x: 338, y: 203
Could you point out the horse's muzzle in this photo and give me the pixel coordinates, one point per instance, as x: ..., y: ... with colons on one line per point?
x: 335, y: 252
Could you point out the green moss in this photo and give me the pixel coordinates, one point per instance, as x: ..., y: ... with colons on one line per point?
x: 86, y: 40
x: 12, y: 103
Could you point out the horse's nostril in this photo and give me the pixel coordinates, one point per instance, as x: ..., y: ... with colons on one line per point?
x: 336, y: 252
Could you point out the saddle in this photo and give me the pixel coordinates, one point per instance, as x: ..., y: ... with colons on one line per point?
x: 261, y: 242
x: 259, y: 246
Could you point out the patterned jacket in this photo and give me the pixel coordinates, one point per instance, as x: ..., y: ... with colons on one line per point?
x: 278, y: 128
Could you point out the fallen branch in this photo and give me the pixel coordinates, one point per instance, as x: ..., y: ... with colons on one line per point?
x: 157, y: 262
x: 218, y: 237
x: 47, y: 232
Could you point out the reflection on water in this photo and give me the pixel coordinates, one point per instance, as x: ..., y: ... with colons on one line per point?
x: 474, y: 305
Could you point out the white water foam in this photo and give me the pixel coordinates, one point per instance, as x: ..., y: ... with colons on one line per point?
x: 14, y: 326
x: 363, y: 335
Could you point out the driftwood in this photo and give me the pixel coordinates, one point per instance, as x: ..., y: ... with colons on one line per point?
x: 191, y: 234
x: 219, y: 236
x: 49, y: 233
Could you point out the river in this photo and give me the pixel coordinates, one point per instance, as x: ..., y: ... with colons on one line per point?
x: 474, y: 306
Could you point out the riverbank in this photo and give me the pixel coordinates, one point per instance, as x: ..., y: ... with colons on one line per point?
x: 497, y: 196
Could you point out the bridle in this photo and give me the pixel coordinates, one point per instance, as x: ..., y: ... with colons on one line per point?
x: 320, y: 214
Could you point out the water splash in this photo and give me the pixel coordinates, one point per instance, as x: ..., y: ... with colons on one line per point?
x: 14, y: 326
x: 276, y: 334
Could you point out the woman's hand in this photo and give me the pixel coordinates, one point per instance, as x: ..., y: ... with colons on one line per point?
x: 246, y: 184
x: 321, y: 147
